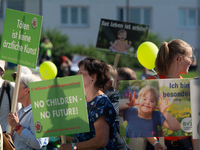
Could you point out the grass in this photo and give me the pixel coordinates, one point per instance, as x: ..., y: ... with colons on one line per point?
x: 7, y: 75
x: 191, y: 74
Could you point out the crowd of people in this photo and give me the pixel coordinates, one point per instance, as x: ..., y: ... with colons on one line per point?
x: 105, y: 112
x: 45, y: 54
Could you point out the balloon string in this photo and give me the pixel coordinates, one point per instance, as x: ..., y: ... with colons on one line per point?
x: 154, y: 71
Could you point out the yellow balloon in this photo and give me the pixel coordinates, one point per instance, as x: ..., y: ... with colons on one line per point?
x: 48, y: 70
x: 146, y: 54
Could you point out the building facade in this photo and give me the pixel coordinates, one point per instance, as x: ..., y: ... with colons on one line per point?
x: 80, y: 19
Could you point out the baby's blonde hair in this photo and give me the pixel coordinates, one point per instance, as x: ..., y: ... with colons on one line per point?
x: 150, y: 89
x: 121, y: 31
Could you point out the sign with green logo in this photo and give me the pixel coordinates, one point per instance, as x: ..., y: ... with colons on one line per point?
x: 59, y: 106
x: 20, y: 38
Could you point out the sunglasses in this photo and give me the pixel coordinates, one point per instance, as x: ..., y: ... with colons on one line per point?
x: 191, y: 59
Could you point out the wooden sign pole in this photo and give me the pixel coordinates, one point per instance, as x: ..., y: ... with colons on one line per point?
x: 63, y: 139
x: 162, y: 141
x: 116, y: 61
x: 15, y: 94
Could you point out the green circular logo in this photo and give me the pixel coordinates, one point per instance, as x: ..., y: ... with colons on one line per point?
x: 34, y: 22
x: 38, y: 126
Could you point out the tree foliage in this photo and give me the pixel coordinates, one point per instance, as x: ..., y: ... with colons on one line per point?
x: 60, y: 43
x: 62, y: 46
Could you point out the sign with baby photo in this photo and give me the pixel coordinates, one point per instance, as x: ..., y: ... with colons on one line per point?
x: 59, y: 106
x: 155, y: 108
x: 20, y: 38
x: 120, y: 37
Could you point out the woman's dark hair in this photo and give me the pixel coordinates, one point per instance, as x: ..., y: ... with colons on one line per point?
x: 99, y: 67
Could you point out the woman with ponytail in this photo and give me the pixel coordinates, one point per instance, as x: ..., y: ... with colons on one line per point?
x: 173, y: 59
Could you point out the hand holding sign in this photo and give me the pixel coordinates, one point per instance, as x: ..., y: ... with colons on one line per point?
x: 147, y: 53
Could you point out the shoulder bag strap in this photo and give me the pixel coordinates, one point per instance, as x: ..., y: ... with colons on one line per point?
x: 157, y: 76
x: 24, y: 115
x: 7, y: 87
x: 1, y: 97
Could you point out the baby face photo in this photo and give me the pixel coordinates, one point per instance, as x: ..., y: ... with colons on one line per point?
x: 120, y: 37
x: 146, y: 108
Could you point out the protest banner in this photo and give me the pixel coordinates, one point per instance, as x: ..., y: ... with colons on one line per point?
x: 195, y: 103
x: 59, y: 106
x: 20, y: 38
x: 156, y: 99
x: 20, y: 43
x: 120, y: 37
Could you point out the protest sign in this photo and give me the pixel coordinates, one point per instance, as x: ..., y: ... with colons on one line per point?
x: 120, y: 37
x: 155, y: 101
x: 195, y: 104
x: 59, y: 106
x: 20, y: 38
x: 19, y: 45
